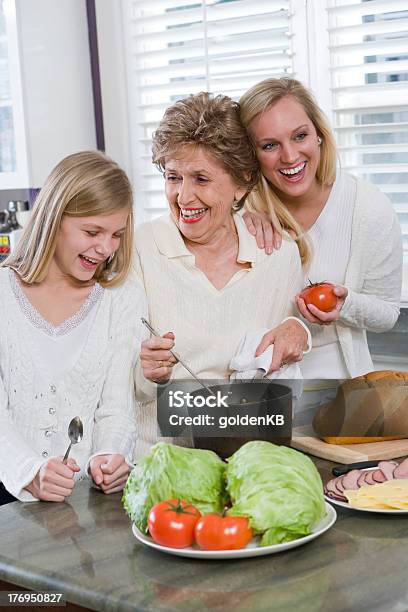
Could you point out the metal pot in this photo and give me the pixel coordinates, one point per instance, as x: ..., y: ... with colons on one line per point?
x: 246, y: 399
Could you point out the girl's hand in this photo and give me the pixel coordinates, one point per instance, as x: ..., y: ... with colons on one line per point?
x: 260, y: 226
x: 155, y: 357
x: 289, y: 340
x: 109, y: 472
x: 54, y: 480
x: 314, y: 315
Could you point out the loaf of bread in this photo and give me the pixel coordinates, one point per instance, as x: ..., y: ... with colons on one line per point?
x: 369, y: 408
x: 358, y: 440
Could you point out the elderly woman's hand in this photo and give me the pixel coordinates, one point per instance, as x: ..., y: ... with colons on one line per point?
x: 314, y: 315
x: 155, y: 357
x: 289, y: 340
x: 260, y: 226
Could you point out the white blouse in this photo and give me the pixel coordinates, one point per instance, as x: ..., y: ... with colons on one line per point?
x: 331, y: 239
x: 59, y: 347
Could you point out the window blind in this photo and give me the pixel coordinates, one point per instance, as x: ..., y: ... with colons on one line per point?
x: 182, y: 47
x: 369, y: 78
x: 178, y: 47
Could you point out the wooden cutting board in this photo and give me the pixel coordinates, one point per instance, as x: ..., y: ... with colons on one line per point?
x: 303, y: 439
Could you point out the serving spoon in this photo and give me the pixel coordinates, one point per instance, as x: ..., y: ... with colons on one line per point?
x: 75, y: 434
x: 185, y: 366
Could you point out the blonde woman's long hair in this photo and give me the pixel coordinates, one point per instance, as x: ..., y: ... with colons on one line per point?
x: 83, y: 184
x: 263, y: 198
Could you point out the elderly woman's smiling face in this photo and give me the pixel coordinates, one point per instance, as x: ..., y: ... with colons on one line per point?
x: 200, y: 193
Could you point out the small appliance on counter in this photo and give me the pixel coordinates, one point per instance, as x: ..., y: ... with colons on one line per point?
x: 12, y: 221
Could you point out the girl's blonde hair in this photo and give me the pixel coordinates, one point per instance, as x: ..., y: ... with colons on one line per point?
x: 258, y: 99
x: 83, y: 184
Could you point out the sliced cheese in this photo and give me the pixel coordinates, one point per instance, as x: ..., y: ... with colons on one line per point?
x: 392, y: 494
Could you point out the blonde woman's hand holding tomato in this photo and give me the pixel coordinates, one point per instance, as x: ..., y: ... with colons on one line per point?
x: 329, y: 297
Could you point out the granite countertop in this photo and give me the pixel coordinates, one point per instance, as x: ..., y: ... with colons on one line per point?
x: 85, y: 548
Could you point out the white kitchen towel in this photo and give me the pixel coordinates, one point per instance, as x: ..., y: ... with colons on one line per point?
x: 246, y: 366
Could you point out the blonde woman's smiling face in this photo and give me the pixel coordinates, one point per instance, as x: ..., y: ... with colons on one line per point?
x: 287, y: 148
x: 200, y: 193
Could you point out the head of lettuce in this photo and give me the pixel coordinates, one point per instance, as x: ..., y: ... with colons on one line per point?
x: 277, y: 488
x: 174, y: 472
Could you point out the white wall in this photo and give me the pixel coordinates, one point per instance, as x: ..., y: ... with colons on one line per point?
x: 56, y: 82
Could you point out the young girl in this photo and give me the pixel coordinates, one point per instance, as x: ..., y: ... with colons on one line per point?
x: 69, y: 332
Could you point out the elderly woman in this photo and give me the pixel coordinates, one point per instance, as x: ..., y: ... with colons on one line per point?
x: 352, y: 225
x: 204, y: 276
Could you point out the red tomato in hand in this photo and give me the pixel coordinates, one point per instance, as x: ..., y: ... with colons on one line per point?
x: 215, y: 532
x: 320, y: 295
x: 171, y: 523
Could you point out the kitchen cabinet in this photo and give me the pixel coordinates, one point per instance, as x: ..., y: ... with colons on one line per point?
x: 46, y: 102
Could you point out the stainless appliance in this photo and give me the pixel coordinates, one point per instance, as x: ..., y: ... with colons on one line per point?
x: 10, y: 228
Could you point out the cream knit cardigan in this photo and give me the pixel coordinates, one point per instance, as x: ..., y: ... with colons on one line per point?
x: 373, y: 276
x: 35, y: 410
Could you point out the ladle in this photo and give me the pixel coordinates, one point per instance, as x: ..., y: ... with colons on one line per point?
x: 185, y: 366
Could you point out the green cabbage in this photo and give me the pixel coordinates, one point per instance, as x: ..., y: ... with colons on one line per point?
x: 277, y: 488
x: 169, y: 471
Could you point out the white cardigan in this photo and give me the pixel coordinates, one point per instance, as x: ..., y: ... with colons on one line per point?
x: 373, y: 276
x: 35, y: 410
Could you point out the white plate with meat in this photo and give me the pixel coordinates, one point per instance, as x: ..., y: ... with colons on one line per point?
x: 353, y: 480
x: 252, y: 550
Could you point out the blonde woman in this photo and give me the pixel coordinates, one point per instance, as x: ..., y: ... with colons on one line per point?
x: 69, y: 326
x: 352, y: 226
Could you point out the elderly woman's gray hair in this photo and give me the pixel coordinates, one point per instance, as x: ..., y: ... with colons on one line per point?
x: 213, y: 123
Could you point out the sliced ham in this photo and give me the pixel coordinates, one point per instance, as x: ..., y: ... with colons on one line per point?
x: 362, y: 479
x: 353, y: 480
x: 387, y: 468
x: 401, y: 471
x: 337, y: 484
x: 350, y: 480
x: 335, y: 496
x: 331, y: 486
x: 340, y: 484
x: 378, y: 476
x: 332, y: 490
x: 369, y: 478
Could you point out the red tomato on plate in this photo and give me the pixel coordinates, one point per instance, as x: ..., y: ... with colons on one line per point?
x: 171, y: 523
x: 215, y: 532
x: 320, y: 295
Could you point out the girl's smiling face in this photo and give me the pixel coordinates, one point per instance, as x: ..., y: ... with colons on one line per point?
x: 84, y: 243
x: 287, y: 148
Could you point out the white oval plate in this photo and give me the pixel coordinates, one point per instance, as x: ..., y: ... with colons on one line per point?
x: 252, y: 550
x: 342, y: 504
